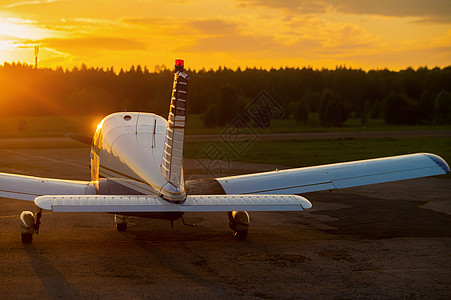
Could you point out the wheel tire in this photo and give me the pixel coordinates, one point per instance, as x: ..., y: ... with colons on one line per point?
x: 27, y: 238
x: 240, y: 235
x: 121, y: 227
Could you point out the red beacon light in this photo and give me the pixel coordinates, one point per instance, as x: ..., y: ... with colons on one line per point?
x: 179, y: 64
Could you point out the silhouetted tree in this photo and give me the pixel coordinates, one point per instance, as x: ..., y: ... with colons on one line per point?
x: 210, y: 117
x: 398, y: 108
x: 300, y: 111
x: 426, y: 106
x: 333, y: 111
x: 443, y: 107
x: 84, y: 90
x: 228, y: 104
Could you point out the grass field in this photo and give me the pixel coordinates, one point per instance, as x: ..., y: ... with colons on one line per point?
x: 299, y: 153
x: 39, y: 126
x: 44, y: 126
x: 195, y: 126
x: 291, y: 153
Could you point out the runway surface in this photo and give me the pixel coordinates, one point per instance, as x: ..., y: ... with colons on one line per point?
x: 382, y: 241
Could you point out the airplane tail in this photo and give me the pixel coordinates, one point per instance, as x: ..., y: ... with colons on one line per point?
x: 171, y: 166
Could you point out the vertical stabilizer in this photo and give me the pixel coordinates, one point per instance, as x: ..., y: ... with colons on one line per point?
x: 171, y: 166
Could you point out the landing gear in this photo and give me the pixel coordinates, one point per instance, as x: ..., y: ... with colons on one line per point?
x: 27, y: 238
x: 121, y: 222
x: 239, y: 223
x: 29, y: 224
x: 121, y: 227
x: 186, y: 224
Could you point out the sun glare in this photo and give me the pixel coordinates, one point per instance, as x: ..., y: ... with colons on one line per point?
x: 17, y: 38
x: 22, y: 29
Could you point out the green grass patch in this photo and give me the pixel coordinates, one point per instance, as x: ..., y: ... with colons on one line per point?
x: 299, y: 153
x: 195, y: 126
x: 44, y: 126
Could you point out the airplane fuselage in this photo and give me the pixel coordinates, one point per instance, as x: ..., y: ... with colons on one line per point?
x: 126, y: 150
x: 126, y: 153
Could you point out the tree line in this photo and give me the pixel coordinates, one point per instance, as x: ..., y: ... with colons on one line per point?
x: 408, y: 96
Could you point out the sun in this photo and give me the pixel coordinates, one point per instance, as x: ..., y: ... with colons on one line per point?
x: 18, y: 29
x: 17, y: 37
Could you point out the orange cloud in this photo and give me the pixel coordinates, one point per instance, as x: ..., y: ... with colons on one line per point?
x: 70, y: 45
x: 213, y: 26
x: 321, y: 33
x: 431, y: 10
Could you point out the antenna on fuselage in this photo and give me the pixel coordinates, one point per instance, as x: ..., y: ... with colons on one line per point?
x: 137, y: 119
x: 154, y: 132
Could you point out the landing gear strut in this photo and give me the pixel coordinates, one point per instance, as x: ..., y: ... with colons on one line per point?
x: 239, y: 223
x: 29, y: 224
x: 121, y: 222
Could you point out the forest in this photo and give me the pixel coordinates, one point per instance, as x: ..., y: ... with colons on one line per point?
x: 409, y: 96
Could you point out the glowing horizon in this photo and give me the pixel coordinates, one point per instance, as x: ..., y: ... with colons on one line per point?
x: 231, y: 33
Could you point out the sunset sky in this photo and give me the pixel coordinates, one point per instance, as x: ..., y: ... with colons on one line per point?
x: 263, y: 33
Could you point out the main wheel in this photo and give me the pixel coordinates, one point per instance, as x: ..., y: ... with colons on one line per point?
x: 27, y: 238
x: 239, y: 223
x: 240, y: 235
x: 121, y: 227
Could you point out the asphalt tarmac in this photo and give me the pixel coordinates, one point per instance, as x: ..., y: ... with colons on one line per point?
x: 376, y: 242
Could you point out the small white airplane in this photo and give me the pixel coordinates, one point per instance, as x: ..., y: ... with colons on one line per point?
x: 136, y: 170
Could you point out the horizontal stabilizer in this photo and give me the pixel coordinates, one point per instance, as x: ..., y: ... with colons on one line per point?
x: 29, y: 187
x: 196, y: 203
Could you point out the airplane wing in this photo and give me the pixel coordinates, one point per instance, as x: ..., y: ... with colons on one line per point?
x: 28, y: 187
x: 336, y: 176
x: 196, y: 203
x: 284, y: 182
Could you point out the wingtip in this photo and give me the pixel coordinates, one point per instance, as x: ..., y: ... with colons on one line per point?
x: 305, y: 204
x: 43, y: 202
x: 439, y: 161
